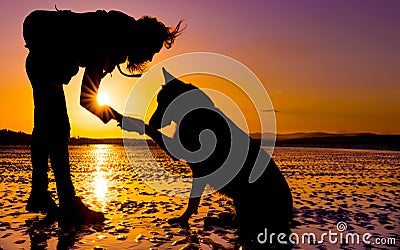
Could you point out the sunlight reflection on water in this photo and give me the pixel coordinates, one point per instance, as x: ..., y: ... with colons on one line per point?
x: 100, y: 184
x: 101, y: 178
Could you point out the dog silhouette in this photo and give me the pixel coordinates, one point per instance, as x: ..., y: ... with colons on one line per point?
x: 223, y: 156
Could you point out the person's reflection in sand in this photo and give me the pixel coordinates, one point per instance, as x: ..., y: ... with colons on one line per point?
x: 40, y: 231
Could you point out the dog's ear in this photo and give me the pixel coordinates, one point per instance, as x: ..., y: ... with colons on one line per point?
x: 167, y: 76
x: 170, y: 79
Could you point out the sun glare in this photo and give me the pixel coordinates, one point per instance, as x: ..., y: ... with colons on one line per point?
x: 100, y: 186
x: 102, y: 99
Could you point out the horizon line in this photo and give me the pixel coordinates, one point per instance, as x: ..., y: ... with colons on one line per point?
x: 252, y: 133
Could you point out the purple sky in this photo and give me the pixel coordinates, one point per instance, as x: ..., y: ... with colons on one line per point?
x: 327, y: 65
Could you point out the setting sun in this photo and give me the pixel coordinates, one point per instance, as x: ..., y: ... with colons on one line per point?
x: 102, y: 99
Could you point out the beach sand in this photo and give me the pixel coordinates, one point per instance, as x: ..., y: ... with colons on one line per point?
x: 359, y: 188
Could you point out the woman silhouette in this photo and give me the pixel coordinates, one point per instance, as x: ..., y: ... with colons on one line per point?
x: 60, y: 42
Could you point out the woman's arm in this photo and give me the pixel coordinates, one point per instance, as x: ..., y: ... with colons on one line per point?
x: 88, y: 100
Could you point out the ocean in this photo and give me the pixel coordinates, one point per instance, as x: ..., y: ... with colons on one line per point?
x: 343, y: 199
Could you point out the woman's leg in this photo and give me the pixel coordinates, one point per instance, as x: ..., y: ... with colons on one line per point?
x: 39, y: 157
x: 51, y: 120
x: 40, y: 199
x: 59, y: 158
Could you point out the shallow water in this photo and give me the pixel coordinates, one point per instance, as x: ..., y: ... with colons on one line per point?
x: 360, y: 188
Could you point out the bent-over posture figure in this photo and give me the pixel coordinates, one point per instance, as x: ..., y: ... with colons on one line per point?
x: 60, y: 42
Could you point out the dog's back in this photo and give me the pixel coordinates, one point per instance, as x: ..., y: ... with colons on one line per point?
x: 266, y: 203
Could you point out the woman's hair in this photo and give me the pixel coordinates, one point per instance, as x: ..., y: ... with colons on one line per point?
x: 153, y: 26
x: 173, y: 33
x: 153, y: 35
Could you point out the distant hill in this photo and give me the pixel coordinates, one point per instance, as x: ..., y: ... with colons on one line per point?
x: 335, y: 140
x: 313, y: 139
x: 8, y: 137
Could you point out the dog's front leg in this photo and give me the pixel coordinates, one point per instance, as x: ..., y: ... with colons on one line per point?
x: 184, y: 218
x: 194, y: 201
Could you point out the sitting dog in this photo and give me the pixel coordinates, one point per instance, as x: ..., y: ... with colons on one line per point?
x: 203, y: 129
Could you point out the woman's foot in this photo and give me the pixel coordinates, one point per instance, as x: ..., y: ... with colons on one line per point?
x: 41, y: 202
x: 77, y: 213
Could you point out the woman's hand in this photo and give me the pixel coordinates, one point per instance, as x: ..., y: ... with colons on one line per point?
x: 132, y: 124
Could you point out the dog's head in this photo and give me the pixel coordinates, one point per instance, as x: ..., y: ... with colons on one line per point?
x: 179, y: 98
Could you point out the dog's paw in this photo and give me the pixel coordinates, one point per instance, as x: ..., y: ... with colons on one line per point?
x: 180, y: 221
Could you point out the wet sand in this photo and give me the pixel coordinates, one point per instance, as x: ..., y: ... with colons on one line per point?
x: 360, y: 188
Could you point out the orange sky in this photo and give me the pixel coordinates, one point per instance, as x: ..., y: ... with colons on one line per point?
x: 327, y: 66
